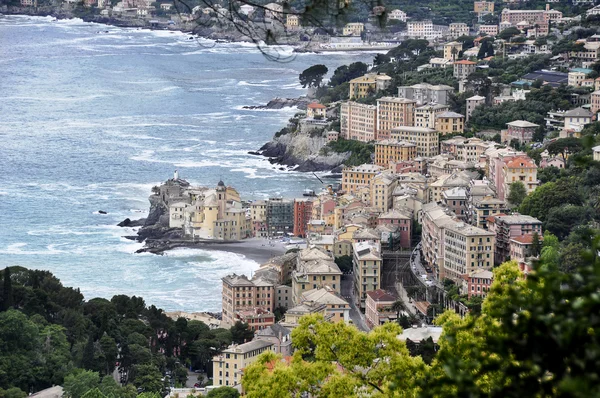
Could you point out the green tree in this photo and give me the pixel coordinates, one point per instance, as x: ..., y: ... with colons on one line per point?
x: 110, y: 351
x: 88, y: 361
x: 536, y: 245
x: 313, y: 76
x: 223, y: 392
x: 337, y: 360
x: 564, y: 146
x: 19, y: 342
x: 344, y: 263
x: 148, y: 378
x: 561, y: 220
x: 94, y: 393
x: 508, y: 33
x: 398, y: 306
x: 80, y: 382
x: 549, y: 195
x: 13, y: 392
x: 7, y: 293
x: 517, y: 193
x: 241, y: 333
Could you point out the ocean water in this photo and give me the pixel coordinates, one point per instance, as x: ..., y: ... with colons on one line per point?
x: 92, y: 116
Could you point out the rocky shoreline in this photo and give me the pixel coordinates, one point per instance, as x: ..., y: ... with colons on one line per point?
x: 281, y: 103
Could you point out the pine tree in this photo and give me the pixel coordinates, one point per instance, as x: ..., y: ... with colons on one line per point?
x: 7, y: 293
x: 87, y: 361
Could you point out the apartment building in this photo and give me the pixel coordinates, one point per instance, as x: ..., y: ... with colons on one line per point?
x: 302, y: 215
x: 521, y: 169
x: 463, y: 68
x: 378, y: 307
x: 241, y: 294
x: 466, y: 249
x: 457, y: 30
x: 434, y: 220
x: 483, y: 7
x: 520, y: 130
x: 420, y: 29
x: 452, y: 49
x: 229, y: 365
x: 488, y: 30
x: 506, y: 227
x: 479, y: 283
x: 358, y: 121
x: 369, y: 84
x: 465, y: 149
x: 425, y: 93
x: 402, y: 220
x: 280, y: 217
x: 382, y: 188
x: 353, y: 29
x: 426, y: 139
x: 472, y: 103
x: 354, y: 178
x: 398, y: 15
x: 387, y: 151
x: 450, y: 123
x: 336, y: 307
x: 367, y: 269
x: 315, y: 269
x: 481, y: 203
x: 425, y: 115
x: 292, y: 22
x: 393, y: 112
x: 595, y: 102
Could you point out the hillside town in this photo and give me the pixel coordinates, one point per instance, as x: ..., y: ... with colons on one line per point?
x: 420, y: 227
x: 479, y: 145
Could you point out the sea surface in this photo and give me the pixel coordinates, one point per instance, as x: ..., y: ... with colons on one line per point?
x: 93, y: 116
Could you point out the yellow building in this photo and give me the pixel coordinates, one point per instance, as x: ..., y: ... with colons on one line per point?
x: 426, y: 139
x: 521, y: 169
x: 335, y: 305
x: 387, y: 151
x: 258, y: 210
x: 217, y: 214
x: 466, y: 249
x: 314, y: 269
x: 354, y: 178
x: 367, y: 269
x: 369, y: 84
x: 450, y: 123
x: 393, y: 112
x: 483, y: 7
x: 451, y: 50
x: 229, y: 365
x: 292, y: 22
x: 353, y: 29
x: 382, y: 189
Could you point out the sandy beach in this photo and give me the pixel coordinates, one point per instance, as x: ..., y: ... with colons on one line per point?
x: 260, y: 250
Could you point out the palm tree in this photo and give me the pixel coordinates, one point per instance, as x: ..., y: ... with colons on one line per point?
x: 398, y: 306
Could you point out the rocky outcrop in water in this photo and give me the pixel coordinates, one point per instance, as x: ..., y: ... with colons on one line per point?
x: 304, y: 151
x: 280, y: 103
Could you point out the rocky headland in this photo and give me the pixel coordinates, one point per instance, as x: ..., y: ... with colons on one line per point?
x: 303, y: 151
x: 280, y: 103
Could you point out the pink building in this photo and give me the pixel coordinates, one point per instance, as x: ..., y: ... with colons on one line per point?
x: 479, y: 283
x: 520, y: 130
x: 405, y: 166
x: 402, y: 221
x: 509, y: 227
x: 259, y: 229
x: 378, y: 307
x: 520, y: 247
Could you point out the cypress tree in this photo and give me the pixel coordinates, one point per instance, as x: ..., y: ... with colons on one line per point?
x: 7, y: 293
x: 87, y: 361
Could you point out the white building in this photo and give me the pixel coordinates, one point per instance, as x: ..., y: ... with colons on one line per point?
x: 397, y: 14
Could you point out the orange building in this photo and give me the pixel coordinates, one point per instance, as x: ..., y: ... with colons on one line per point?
x: 302, y: 215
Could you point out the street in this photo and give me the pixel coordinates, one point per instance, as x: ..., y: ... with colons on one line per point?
x: 348, y: 295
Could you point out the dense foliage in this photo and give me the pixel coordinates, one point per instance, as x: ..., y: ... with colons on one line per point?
x: 361, y: 151
x: 49, y: 336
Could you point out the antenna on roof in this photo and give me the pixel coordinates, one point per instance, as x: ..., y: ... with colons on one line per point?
x: 318, y: 177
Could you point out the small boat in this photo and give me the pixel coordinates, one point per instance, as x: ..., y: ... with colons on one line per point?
x: 309, y: 192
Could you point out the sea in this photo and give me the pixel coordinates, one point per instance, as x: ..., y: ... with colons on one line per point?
x: 93, y: 116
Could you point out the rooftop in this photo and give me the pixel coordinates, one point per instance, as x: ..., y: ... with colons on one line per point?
x: 578, y: 112
x: 464, y: 62
x: 449, y: 115
x: 381, y: 295
x: 323, y: 296
x: 522, y: 123
x: 526, y: 239
x: 314, y: 105
x: 514, y: 219
x: 247, y: 347
x: 417, y: 334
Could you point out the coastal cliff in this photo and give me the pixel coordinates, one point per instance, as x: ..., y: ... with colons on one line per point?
x: 306, y: 151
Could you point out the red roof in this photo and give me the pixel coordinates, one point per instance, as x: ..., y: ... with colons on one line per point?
x: 523, y: 162
x: 314, y: 105
x: 465, y: 62
x: 381, y: 295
